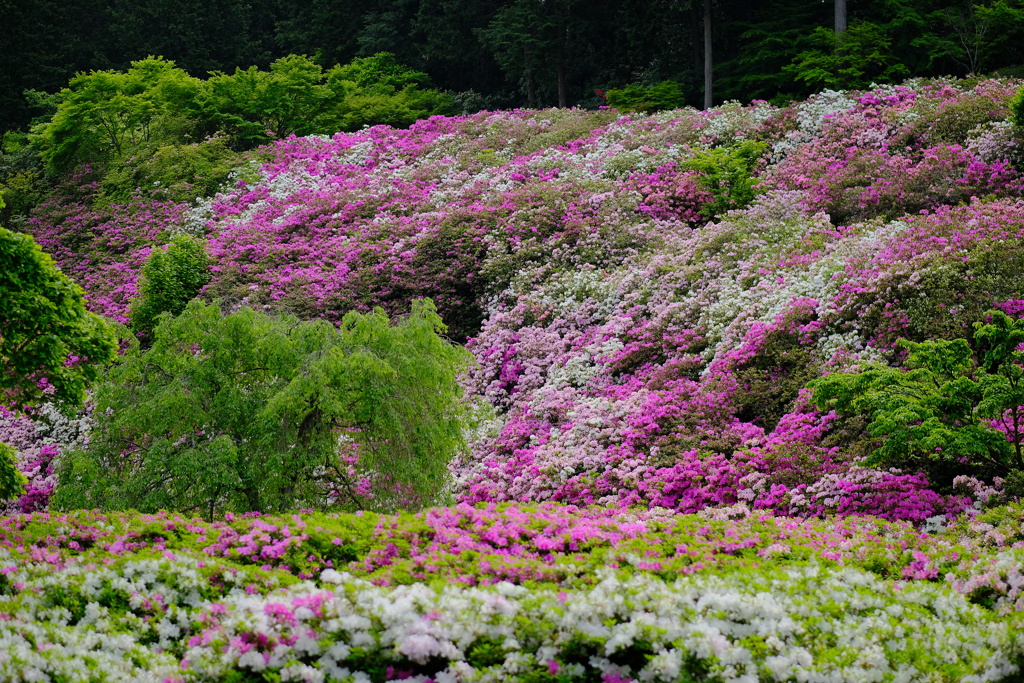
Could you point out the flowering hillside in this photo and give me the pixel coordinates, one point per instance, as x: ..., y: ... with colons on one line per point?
x: 646, y: 296
x: 652, y: 491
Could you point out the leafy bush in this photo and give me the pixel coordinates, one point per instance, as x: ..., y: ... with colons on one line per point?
x: 246, y: 412
x: 169, y: 280
x: 729, y: 174
x: 951, y: 403
x: 647, y: 98
x: 1017, y: 109
x: 12, y: 481
x: 175, y: 172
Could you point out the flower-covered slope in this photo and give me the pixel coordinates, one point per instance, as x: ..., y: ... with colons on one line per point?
x: 528, y: 593
x: 646, y: 296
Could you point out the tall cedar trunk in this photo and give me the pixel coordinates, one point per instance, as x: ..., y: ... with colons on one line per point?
x: 562, y: 99
x: 840, y: 16
x: 708, y: 63
x: 695, y: 40
x: 563, y: 40
x: 531, y: 89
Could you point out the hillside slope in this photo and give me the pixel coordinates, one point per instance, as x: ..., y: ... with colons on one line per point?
x: 646, y: 296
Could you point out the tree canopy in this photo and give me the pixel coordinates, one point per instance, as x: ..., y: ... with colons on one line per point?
x: 247, y: 411
x: 521, y: 52
x: 50, y: 345
x: 109, y: 114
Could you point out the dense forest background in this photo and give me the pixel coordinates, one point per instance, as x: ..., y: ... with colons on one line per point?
x: 506, y: 53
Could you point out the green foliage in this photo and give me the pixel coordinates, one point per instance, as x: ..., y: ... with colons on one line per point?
x: 382, y: 70
x: 107, y: 114
x: 950, y: 403
x: 170, y: 279
x: 176, y: 172
x: 295, y: 97
x: 853, y: 59
x: 246, y: 411
x: 12, y: 481
x: 646, y: 98
x: 49, y: 343
x: 1017, y: 109
x: 22, y: 181
x: 729, y: 174
x: 151, y: 115
x: 981, y: 32
x: 382, y: 91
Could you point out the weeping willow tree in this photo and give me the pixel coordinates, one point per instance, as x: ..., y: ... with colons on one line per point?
x: 252, y: 412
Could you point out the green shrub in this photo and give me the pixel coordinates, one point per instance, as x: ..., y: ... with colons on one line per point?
x: 175, y: 172
x: 12, y: 481
x: 170, y: 279
x: 953, y: 404
x: 1017, y: 109
x: 645, y: 98
x: 728, y: 173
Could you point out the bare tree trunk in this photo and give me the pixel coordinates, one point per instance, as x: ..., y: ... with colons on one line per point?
x: 708, y: 62
x: 840, y: 16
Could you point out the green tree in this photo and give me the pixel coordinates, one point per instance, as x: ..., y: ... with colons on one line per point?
x: 380, y: 90
x: 171, y: 278
x: 106, y: 114
x: 952, y: 402
x: 535, y: 40
x: 247, y: 411
x: 50, y: 346
x: 854, y: 58
x: 295, y: 97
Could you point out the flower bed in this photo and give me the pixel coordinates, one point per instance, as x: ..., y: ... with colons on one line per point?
x: 529, y: 593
